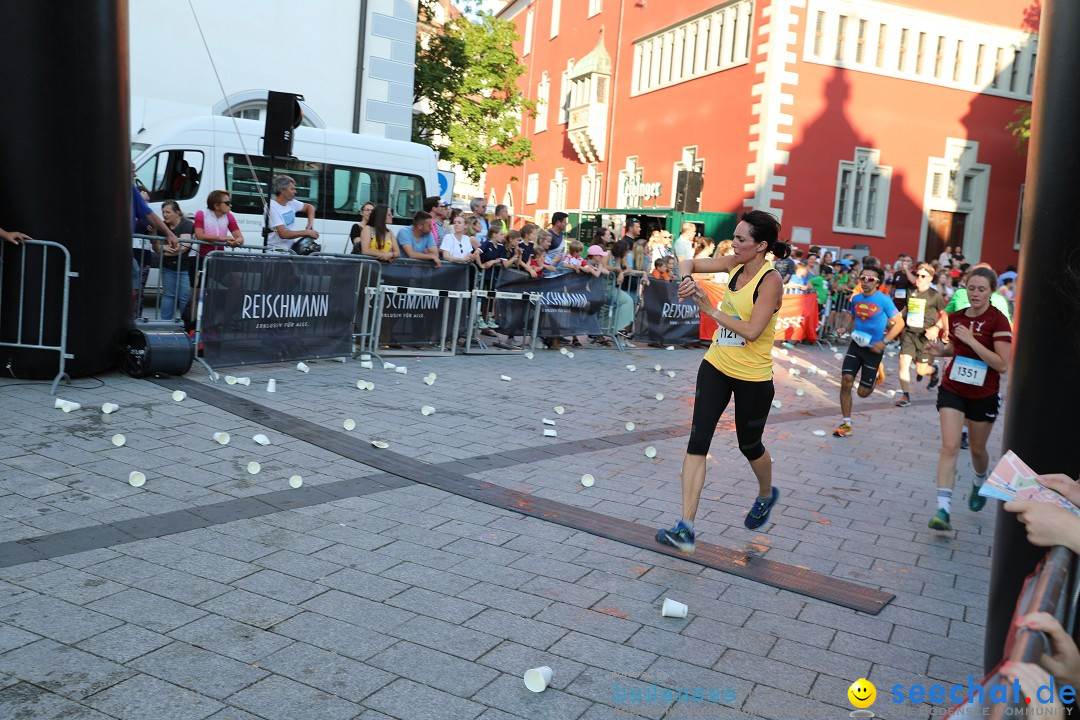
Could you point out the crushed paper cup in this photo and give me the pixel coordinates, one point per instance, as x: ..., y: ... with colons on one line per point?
x: 427, y: 410
x: 800, y: 392
x: 650, y: 452
x: 891, y: 393
x: 559, y: 409
x: 302, y: 367
x: 339, y: 359
x: 222, y: 438
x: 548, y: 422
x: 505, y: 378
x: 367, y: 365
x: 349, y: 424
x: 254, y: 468
x: 118, y: 440
x: 296, y: 481
x: 243, y: 381
x: 673, y: 609
x: 538, y: 678
x: 777, y: 404
x: 430, y: 378
x: 179, y: 395
x: 529, y: 355
x: 671, y: 373
x: 548, y: 432
x: 109, y: 408
x: 670, y: 347
x: 70, y: 406
x: 230, y: 379
x: 587, y: 480
x: 632, y: 368
x: 659, y: 396
x: 380, y: 444
x: 570, y: 355
x: 819, y: 433
x: 271, y: 385
x: 822, y: 373
x: 388, y: 366
x: 261, y: 439
x: 630, y: 426
x: 401, y: 369
x: 657, y: 368
x: 136, y: 478
x: 563, y: 350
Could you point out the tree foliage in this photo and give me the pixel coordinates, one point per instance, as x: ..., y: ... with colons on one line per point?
x: 468, y: 75
x: 1021, y: 127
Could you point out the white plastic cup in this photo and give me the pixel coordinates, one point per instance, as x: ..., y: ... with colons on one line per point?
x: 243, y: 381
x: 58, y: 403
x: 650, y: 452
x: 70, y: 407
x: 559, y: 409
x: 401, y: 369
x: 659, y: 396
x: 563, y: 350
x: 254, y: 468
x: 349, y: 424
x: 367, y: 364
x: 302, y: 367
x: 538, y: 678
x: 632, y: 368
x: 819, y: 433
x: 109, y: 408
x: 587, y: 480
x: 547, y: 421
x: 505, y: 378
x: 261, y: 439
x: 296, y: 481
x: 118, y: 440
x: 800, y: 392
x: 529, y: 355
x: 179, y: 395
x: 658, y: 368
x: 366, y: 357
x: 222, y: 438
x: 388, y: 366
x: 671, y: 373
x: 136, y: 479
x: 777, y: 404
x: 570, y: 355
x: 630, y: 426
x: 230, y: 379
x: 427, y: 410
x: 271, y: 385
x: 548, y: 432
x: 673, y: 609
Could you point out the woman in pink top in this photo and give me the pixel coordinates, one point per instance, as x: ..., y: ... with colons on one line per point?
x: 217, y: 222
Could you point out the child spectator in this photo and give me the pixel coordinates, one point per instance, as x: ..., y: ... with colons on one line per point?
x: 661, y: 269
x: 527, y: 245
x: 573, y: 259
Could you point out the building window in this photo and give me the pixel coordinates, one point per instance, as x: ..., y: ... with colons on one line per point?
x: 542, y: 92
x: 564, y: 92
x: 979, y: 55
x: 595, y: 6
x: 556, y: 11
x: 939, y: 56
x: 920, y: 53
x: 841, y: 28
x: 882, y: 34
x: 819, y: 32
x: 1031, y: 74
x: 528, y: 33
x: 862, y: 194
x: 1014, y: 71
x: 714, y: 41
x: 958, y: 61
x: 532, y: 188
x: 903, y: 49
x: 860, y: 48
x: 557, y: 190
x: 590, y: 188
x: 629, y: 180
x: 690, y: 161
x: 998, y: 57
x: 936, y: 184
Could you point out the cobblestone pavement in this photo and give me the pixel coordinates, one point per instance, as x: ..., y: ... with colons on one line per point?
x: 206, y: 594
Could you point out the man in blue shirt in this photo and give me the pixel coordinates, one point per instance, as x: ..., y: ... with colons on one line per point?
x: 417, y: 241
x: 877, y: 322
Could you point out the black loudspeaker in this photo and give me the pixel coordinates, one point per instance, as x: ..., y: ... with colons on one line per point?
x: 283, y: 116
x: 148, y: 352
x: 688, y: 191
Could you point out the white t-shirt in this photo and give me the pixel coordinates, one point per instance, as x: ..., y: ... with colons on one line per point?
x: 945, y: 260
x: 684, y: 250
x: 283, y: 215
x: 457, y: 248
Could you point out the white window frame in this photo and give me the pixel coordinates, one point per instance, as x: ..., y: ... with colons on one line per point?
x: 564, y: 93
x: 528, y: 40
x: 854, y: 201
x: 556, y: 13
x: 590, y: 188
x: 557, y: 190
x: 532, y: 188
x: 595, y: 7
x: 543, y: 91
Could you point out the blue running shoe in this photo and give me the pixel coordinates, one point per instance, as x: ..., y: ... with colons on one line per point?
x: 976, y: 502
x: 759, y: 511
x: 679, y: 537
x: 940, y: 521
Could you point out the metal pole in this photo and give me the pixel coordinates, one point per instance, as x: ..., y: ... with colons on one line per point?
x: 1044, y: 385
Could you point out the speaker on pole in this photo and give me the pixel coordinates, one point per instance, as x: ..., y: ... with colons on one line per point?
x: 688, y: 191
x: 283, y: 116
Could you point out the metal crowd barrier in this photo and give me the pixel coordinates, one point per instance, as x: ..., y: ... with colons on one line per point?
x: 837, y: 312
x: 485, y: 297
x: 608, y: 316
x: 446, y: 343
x: 39, y: 342
x: 364, y: 330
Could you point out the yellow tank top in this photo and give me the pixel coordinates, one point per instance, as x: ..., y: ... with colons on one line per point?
x: 731, y: 354
x: 385, y: 246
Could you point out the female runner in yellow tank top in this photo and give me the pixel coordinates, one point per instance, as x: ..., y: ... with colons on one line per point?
x: 739, y: 363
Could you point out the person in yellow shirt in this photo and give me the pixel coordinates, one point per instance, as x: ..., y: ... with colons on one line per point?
x: 738, y: 363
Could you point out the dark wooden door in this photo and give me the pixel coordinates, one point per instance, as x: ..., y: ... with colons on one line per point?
x: 945, y: 229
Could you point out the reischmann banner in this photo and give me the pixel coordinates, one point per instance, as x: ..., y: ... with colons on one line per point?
x: 568, y: 303
x: 667, y: 319
x: 417, y: 319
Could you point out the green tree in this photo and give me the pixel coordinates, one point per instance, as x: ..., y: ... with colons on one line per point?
x: 467, y: 74
x: 1021, y: 127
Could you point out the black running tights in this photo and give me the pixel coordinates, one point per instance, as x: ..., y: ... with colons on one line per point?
x: 752, y: 402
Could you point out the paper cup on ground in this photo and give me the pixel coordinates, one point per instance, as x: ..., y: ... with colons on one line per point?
x: 659, y: 396
x: 819, y: 433
x: 367, y: 364
x: 559, y: 409
x: 570, y: 355
x: 548, y: 422
x: 136, y: 479
x: 891, y: 393
x: 587, y: 480
x: 563, y: 350
x: 657, y: 368
x: 302, y: 367
x: 671, y: 373
x: 296, y: 481
x: 505, y: 378
x: 58, y: 403
x: 230, y: 379
x: 429, y: 379
x: 380, y: 444
x: 838, y: 356
x: 538, y: 678
x: 365, y: 356
x: 222, y: 438
x: 118, y: 440
x: 777, y: 404
x: 650, y: 452
x: 401, y: 369
x: 349, y: 424
x: 673, y: 609
x: 71, y: 407
x: 109, y: 408
x: 427, y: 410
x: 670, y: 347
x: 529, y: 355
x: 388, y: 366
x: 261, y: 439
x: 632, y: 368
x: 630, y: 426
x: 548, y: 432
x: 254, y: 468
x: 800, y: 392
x: 243, y: 381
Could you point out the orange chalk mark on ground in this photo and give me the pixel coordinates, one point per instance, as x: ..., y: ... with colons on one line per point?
x: 639, y: 569
x: 614, y: 611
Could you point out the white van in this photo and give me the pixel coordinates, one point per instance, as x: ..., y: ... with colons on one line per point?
x: 184, y: 159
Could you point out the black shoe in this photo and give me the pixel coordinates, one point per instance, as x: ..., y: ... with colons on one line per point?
x: 934, y: 378
x: 964, y: 442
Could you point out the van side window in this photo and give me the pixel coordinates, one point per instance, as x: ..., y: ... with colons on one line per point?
x: 352, y: 187
x: 248, y: 184
x: 171, y: 175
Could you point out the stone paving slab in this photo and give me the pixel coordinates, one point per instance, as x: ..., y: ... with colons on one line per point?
x: 407, y: 602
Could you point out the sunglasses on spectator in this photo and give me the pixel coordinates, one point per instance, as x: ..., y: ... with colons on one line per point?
x: 923, y: 275
x: 226, y: 202
x: 868, y: 278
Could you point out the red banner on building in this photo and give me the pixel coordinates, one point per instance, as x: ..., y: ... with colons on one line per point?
x: 797, y: 320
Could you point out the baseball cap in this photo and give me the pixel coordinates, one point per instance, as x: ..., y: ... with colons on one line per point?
x: 845, y: 263
x: 597, y: 250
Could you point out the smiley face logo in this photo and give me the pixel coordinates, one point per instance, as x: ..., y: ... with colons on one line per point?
x: 862, y: 693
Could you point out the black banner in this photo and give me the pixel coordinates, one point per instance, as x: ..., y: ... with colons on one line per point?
x: 417, y: 319
x: 568, y: 303
x: 267, y: 308
x: 667, y: 319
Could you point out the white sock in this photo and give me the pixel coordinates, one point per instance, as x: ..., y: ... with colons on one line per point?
x: 981, y: 478
x: 847, y: 420
x: 944, y: 499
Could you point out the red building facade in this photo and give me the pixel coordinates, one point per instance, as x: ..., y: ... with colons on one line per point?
x: 858, y: 122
